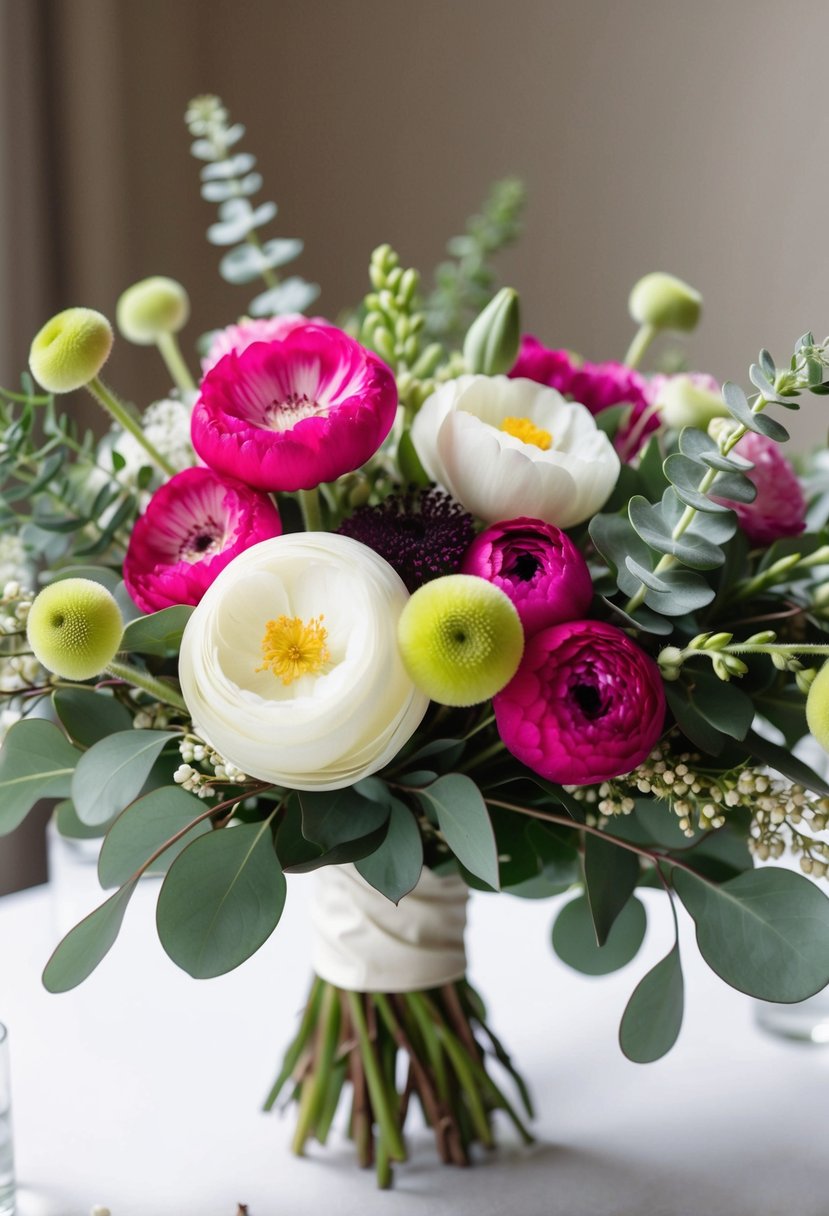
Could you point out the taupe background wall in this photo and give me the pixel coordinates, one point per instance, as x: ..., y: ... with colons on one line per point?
x: 652, y: 134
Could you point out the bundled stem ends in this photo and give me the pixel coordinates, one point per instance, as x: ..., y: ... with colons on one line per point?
x: 359, y: 1039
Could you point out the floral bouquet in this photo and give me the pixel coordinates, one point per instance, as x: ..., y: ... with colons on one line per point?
x: 420, y: 604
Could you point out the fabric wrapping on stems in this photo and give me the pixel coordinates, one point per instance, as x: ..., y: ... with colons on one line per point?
x: 363, y: 943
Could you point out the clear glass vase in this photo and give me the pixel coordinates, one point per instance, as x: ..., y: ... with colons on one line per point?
x: 805, y: 1022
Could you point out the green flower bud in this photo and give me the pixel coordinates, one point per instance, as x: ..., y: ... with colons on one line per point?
x: 491, y: 345
x: 460, y: 639
x: 683, y: 403
x: 75, y: 628
x: 70, y: 349
x: 817, y: 707
x: 149, y: 309
x: 665, y: 302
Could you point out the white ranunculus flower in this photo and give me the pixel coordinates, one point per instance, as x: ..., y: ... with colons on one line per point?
x: 506, y: 448
x: 327, y: 700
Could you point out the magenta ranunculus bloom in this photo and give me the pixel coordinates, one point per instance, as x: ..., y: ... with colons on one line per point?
x: 194, y: 526
x: 585, y: 705
x: 537, y: 566
x: 780, y: 507
x: 595, y: 385
x: 294, y: 412
x: 260, y: 329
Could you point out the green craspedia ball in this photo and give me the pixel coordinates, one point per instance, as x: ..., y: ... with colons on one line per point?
x: 149, y: 309
x: 461, y: 639
x: 817, y: 707
x: 70, y: 349
x: 665, y: 302
x: 75, y: 628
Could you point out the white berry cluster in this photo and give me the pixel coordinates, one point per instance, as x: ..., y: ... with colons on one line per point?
x: 167, y: 426
x: 193, y: 751
x: 785, y: 819
x: 18, y: 671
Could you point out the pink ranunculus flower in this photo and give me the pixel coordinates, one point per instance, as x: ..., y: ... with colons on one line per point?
x: 294, y: 412
x: 595, y: 385
x: 780, y: 508
x: 194, y: 526
x: 586, y: 704
x: 537, y: 566
x: 249, y: 330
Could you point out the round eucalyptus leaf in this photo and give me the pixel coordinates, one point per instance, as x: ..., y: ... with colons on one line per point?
x: 574, y: 938
x: 221, y: 900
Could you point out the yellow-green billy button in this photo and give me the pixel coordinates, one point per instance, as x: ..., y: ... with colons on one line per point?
x: 460, y: 639
x: 70, y: 349
x: 75, y: 628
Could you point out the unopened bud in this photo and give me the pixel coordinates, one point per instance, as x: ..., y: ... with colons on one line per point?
x: 491, y: 345
x: 665, y: 302
x: 149, y: 309
x: 681, y: 402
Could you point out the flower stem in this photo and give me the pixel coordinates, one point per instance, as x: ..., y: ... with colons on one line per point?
x: 379, y: 1098
x: 309, y: 501
x: 641, y: 341
x: 119, y: 413
x: 170, y: 352
x: 141, y: 679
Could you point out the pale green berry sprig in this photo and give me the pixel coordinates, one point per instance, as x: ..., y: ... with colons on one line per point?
x: 393, y: 327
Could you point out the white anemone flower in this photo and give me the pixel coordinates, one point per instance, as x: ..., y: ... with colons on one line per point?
x: 290, y: 667
x: 507, y: 448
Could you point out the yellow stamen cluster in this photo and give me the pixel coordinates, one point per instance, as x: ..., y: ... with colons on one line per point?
x: 527, y: 432
x: 292, y: 648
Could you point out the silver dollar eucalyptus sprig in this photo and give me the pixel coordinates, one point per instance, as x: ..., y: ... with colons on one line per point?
x: 659, y: 551
x: 229, y: 179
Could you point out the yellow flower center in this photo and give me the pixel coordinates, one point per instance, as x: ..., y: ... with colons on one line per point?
x: 527, y: 432
x: 292, y: 648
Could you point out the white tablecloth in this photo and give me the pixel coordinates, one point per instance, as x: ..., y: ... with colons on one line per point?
x: 141, y: 1089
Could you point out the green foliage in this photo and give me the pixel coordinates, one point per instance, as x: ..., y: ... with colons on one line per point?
x: 653, y: 1017
x: 765, y: 932
x: 394, y: 867
x: 35, y: 762
x: 574, y: 937
x: 83, y: 948
x: 466, y: 283
x: 298, y: 855
x: 158, y: 634
x: 336, y: 817
x: 113, y: 772
x: 221, y: 900
x: 611, y: 873
x: 229, y: 179
x: 142, y: 829
x: 464, y: 822
x: 88, y: 716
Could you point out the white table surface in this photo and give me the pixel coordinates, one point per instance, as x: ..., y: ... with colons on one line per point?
x: 141, y: 1089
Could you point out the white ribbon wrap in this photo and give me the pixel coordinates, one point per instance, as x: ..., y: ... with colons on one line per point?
x: 363, y: 943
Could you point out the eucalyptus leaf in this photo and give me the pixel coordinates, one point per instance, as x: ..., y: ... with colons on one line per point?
x: 693, y: 724
x: 333, y: 817
x: 69, y: 825
x: 686, y: 475
x: 36, y: 761
x: 653, y: 1018
x: 142, y: 829
x: 574, y: 939
x: 686, y: 592
x: 611, y: 873
x: 765, y: 932
x: 83, y: 948
x: 394, y: 868
x: 159, y: 633
x: 291, y: 295
x: 221, y: 900
x: 782, y: 760
x: 722, y: 703
x: 87, y: 715
x: 465, y: 824
x: 111, y: 774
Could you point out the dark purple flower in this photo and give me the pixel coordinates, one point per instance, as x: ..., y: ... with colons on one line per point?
x: 422, y: 535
